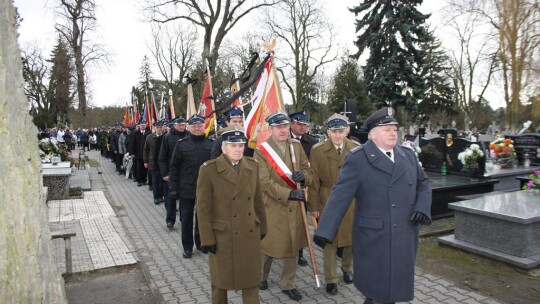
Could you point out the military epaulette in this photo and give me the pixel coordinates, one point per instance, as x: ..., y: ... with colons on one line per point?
x: 294, y: 140
x: 356, y: 149
x: 355, y: 142
x: 317, y: 145
x: 208, y: 162
x: 182, y: 139
x: 251, y: 159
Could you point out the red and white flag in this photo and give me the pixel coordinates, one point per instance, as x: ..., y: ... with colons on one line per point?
x: 266, y: 99
x: 206, y: 106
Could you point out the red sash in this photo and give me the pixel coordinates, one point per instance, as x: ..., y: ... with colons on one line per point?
x: 277, y: 163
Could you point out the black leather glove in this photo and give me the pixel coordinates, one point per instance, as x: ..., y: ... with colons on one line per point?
x: 173, y: 195
x: 262, y: 236
x: 320, y: 241
x: 297, y: 195
x: 210, y: 248
x: 298, y: 177
x: 418, y: 218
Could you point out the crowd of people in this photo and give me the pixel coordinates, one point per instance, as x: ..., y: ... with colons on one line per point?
x: 234, y: 201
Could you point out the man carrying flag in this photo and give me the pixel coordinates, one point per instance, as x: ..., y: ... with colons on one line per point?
x: 285, y: 230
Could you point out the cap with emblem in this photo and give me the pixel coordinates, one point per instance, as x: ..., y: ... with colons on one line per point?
x: 195, y: 119
x: 160, y: 123
x: 337, y: 122
x: 179, y: 120
x: 233, y: 112
x: 233, y: 134
x: 277, y: 118
x: 381, y: 117
x: 300, y: 117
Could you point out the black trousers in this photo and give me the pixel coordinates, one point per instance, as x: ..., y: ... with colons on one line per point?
x: 141, y: 172
x: 118, y: 159
x: 170, y: 205
x: 187, y: 210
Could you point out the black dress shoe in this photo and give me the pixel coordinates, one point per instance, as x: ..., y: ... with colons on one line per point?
x: 203, y: 250
x: 170, y: 225
x: 139, y: 184
x: 263, y: 285
x: 156, y: 201
x: 293, y: 294
x: 331, y: 289
x: 302, y: 261
x: 187, y: 254
x: 348, y: 276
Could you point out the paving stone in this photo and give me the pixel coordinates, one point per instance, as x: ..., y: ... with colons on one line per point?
x: 187, y: 281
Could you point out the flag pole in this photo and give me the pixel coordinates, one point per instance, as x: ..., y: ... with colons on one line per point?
x: 305, y: 222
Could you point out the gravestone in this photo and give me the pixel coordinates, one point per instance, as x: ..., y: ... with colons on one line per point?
x: 502, y: 226
x: 433, y: 153
x: 437, y: 150
x: 528, y: 143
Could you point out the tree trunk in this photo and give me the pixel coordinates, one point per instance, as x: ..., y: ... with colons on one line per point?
x: 28, y: 271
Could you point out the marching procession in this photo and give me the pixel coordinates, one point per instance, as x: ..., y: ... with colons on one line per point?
x: 233, y: 201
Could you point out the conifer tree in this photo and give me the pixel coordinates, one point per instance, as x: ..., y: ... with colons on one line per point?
x: 60, y: 83
x: 392, y: 30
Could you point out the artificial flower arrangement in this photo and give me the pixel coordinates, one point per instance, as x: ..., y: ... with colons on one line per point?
x: 409, y: 144
x: 49, y: 147
x: 469, y: 158
x: 534, y: 183
x: 502, y: 150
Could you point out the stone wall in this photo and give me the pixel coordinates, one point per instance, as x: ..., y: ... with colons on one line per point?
x: 28, y: 273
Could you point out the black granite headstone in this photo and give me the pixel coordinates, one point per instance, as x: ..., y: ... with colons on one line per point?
x: 432, y: 155
x: 528, y: 143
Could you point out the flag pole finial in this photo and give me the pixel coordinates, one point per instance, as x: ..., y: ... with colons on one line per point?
x: 270, y: 45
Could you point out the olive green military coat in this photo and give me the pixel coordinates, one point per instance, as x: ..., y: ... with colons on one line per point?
x: 325, y: 165
x: 285, y: 226
x: 231, y: 214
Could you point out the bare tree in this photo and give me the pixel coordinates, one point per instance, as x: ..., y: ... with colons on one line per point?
x: 35, y: 74
x: 303, y: 27
x: 216, y: 18
x: 78, y: 22
x: 517, y: 27
x: 174, y: 52
x: 473, y: 63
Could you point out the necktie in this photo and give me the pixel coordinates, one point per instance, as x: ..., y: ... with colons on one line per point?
x: 389, y: 154
x: 339, y: 151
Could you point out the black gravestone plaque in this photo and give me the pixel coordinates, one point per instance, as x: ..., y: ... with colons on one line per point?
x: 529, y: 144
x: 432, y: 155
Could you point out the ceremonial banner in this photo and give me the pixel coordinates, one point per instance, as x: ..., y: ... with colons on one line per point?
x: 127, y: 118
x: 206, y: 106
x: 266, y: 99
x: 190, y: 111
x: 171, y: 114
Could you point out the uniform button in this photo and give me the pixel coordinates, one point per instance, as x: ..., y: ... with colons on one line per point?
x: 236, y: 232
x: 394, y: 205
x: 249, y: 198
x: 395, y: 225
x: 250, y: 230
x: 233, y: 198
x: 249, y: 214
x: 235, y: 215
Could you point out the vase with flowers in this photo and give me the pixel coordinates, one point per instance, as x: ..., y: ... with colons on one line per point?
x: 470, y: 159
x: 503, y: 152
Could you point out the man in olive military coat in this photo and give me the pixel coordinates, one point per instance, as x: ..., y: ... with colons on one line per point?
x: 393, y: 197
x: 281, y: 199
x: 232, y: 219
x: 326, y: 160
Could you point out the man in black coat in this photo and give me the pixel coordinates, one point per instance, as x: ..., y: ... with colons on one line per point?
x: 235, y: 117
x: 188, y: 156
x: 115, y: 136
x: 299, y: 131
x: 177, y: 132
x: 137, y: 147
